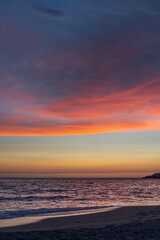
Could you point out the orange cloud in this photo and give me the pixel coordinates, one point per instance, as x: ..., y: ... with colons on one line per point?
x: 133, y: 109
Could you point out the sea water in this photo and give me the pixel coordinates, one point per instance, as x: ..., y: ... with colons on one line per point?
x: 44, y: 197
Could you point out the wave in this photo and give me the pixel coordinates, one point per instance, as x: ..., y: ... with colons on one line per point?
x: 42, y: 211
x: 57, y: 190
x: 33, y: 198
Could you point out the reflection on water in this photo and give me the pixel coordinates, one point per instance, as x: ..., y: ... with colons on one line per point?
x: 31, y: 197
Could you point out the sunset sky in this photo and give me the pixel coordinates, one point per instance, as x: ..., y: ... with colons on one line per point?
x: 79, y: 88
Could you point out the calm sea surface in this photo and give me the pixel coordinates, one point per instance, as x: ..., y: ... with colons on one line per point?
x: 34, y: 197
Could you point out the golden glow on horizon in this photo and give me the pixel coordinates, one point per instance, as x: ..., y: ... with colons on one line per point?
x: 92, y: 166
x: 113, y: 154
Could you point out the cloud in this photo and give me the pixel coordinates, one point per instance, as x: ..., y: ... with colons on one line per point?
x: 131, y: 109
x: 125, y: 8
x: 88, y: 77
x: 52, y: 13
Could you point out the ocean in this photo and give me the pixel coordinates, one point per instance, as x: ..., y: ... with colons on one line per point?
x: 44, y: 197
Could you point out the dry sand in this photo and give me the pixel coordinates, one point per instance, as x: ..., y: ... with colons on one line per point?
x: 122, y: 223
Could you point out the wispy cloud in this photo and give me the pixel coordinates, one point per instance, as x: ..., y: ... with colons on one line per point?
x: 124, y: 9
x: 52, y: 13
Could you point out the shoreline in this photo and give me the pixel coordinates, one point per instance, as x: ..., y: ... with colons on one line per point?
x: 130, y: 223
x: 118, y: 216
x: 15, y: 222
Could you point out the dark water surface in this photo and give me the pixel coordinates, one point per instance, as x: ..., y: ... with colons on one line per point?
x: 36, y: 197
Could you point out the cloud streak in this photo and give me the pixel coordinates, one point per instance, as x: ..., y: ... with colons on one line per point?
x: 52, y: 13
x: 134, y: 109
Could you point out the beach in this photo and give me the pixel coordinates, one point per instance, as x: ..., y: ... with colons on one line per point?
x: 131, y: 222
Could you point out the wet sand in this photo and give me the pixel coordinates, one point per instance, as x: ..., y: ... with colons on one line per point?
x: 122, y: 223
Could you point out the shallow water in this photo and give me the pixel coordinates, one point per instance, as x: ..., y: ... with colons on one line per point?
x: 36, y: 197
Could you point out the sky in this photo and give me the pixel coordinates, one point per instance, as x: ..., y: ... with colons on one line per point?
x: 79, y: 88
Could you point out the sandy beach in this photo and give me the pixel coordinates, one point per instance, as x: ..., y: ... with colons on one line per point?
x: 137, y: 222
